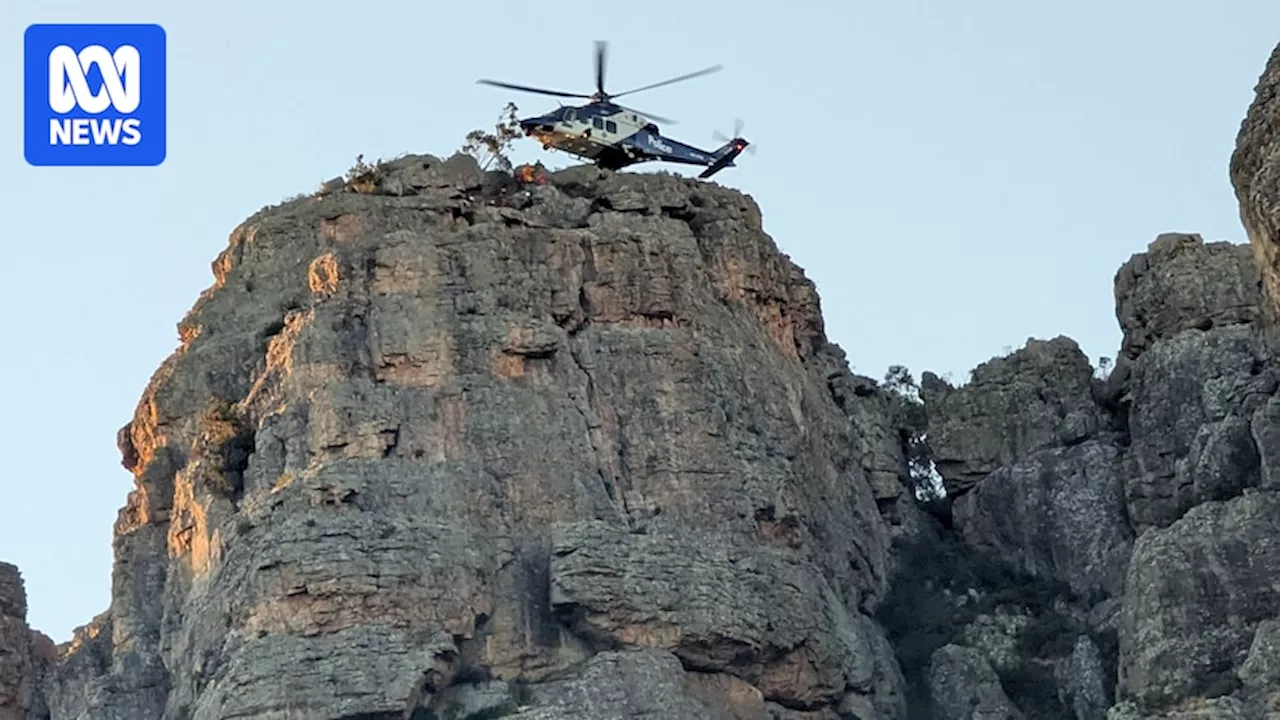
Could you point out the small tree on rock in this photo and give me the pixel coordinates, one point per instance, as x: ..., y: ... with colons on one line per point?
x: 912, y: 423
x: 362, y: 177
x: 490, y: 148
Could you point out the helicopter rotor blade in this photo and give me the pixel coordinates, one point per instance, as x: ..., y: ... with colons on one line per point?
x: 601, y: 48
x: 690, y: 76
x: 526, y: 88
x: 737, y: 131
x: 651, y: 116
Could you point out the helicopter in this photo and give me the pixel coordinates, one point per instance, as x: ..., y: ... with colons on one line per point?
x: 614, y: 136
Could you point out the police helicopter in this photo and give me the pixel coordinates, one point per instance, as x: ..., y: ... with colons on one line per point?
x: 614, y: 136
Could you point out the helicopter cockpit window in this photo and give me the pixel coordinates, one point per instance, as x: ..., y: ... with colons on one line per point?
x: 597, y: 122
x: 568, y: 116
x: 611, y: 126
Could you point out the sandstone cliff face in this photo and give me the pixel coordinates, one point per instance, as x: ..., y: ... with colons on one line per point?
x: 584, y: 454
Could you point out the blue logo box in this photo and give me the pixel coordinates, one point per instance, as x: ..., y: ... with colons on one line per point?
x: 94, y: 95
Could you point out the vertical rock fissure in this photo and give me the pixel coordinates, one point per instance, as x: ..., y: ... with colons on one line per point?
x: 614, y: 484
x: 593, y: 412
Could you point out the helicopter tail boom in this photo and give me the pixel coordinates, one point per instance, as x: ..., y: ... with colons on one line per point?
x: 724, y: 156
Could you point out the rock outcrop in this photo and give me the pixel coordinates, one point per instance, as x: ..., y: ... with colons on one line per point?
x: 965, y: 686
x: 25, y: 655
x: 435, y: 445
x: 1255, y: 176
x: 1139, y: 508
x: 1136, y: 509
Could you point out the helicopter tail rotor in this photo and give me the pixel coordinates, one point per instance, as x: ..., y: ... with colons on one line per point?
x: 737, y: 136
x: 729, y: 151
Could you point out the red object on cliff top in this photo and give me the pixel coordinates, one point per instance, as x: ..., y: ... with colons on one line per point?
x: 529, y: 174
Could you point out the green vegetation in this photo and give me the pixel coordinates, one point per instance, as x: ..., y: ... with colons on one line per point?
x: 1031, y: 685
x: 362, y: 176
x: 225, y: 443
x: 911, y: 420
x: 944, y: 585
x: 491, y: 148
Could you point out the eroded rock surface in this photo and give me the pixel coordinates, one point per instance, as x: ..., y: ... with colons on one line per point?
x: 721, y: 605
x: 1036, y: 398
x: 1058, y: 514
x: 1137, y: 505
x: 1182, y: 283
x: 351, y: 474
x: 965, y: 687
x: 1194, y: 369
x: 1200, y: 592
x: 25, y: 656
x: 1255, y: 175
x: 420, y: 452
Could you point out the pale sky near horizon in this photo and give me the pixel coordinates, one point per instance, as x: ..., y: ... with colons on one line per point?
x: 955, y: 177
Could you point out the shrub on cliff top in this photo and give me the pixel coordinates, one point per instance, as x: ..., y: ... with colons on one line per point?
x: 490, y: 148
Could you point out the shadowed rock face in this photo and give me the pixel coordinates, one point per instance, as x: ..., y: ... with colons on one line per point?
x: 25, y: 656
x: 16, y: 677
x: 1144, y: 498
x: 1039, y: 397
x: 966, y: 687
x: 417, y: 447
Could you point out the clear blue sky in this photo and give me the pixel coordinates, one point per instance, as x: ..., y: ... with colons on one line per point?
x: 956, y: 177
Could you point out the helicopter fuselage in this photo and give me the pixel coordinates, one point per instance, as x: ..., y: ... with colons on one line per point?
x: 614, y: 137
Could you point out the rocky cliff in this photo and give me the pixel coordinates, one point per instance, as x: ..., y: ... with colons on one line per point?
x: 1136, y: 511
x: 25, y: 656
x: 1255, y: 175
x: 429, y: 452
x: 437, y: 446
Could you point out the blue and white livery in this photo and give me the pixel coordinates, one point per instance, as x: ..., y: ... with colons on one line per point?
x: 613, y: 136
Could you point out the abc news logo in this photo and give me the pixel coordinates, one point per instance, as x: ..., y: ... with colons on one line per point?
x: 95, y: 95
x: 69, y: 89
